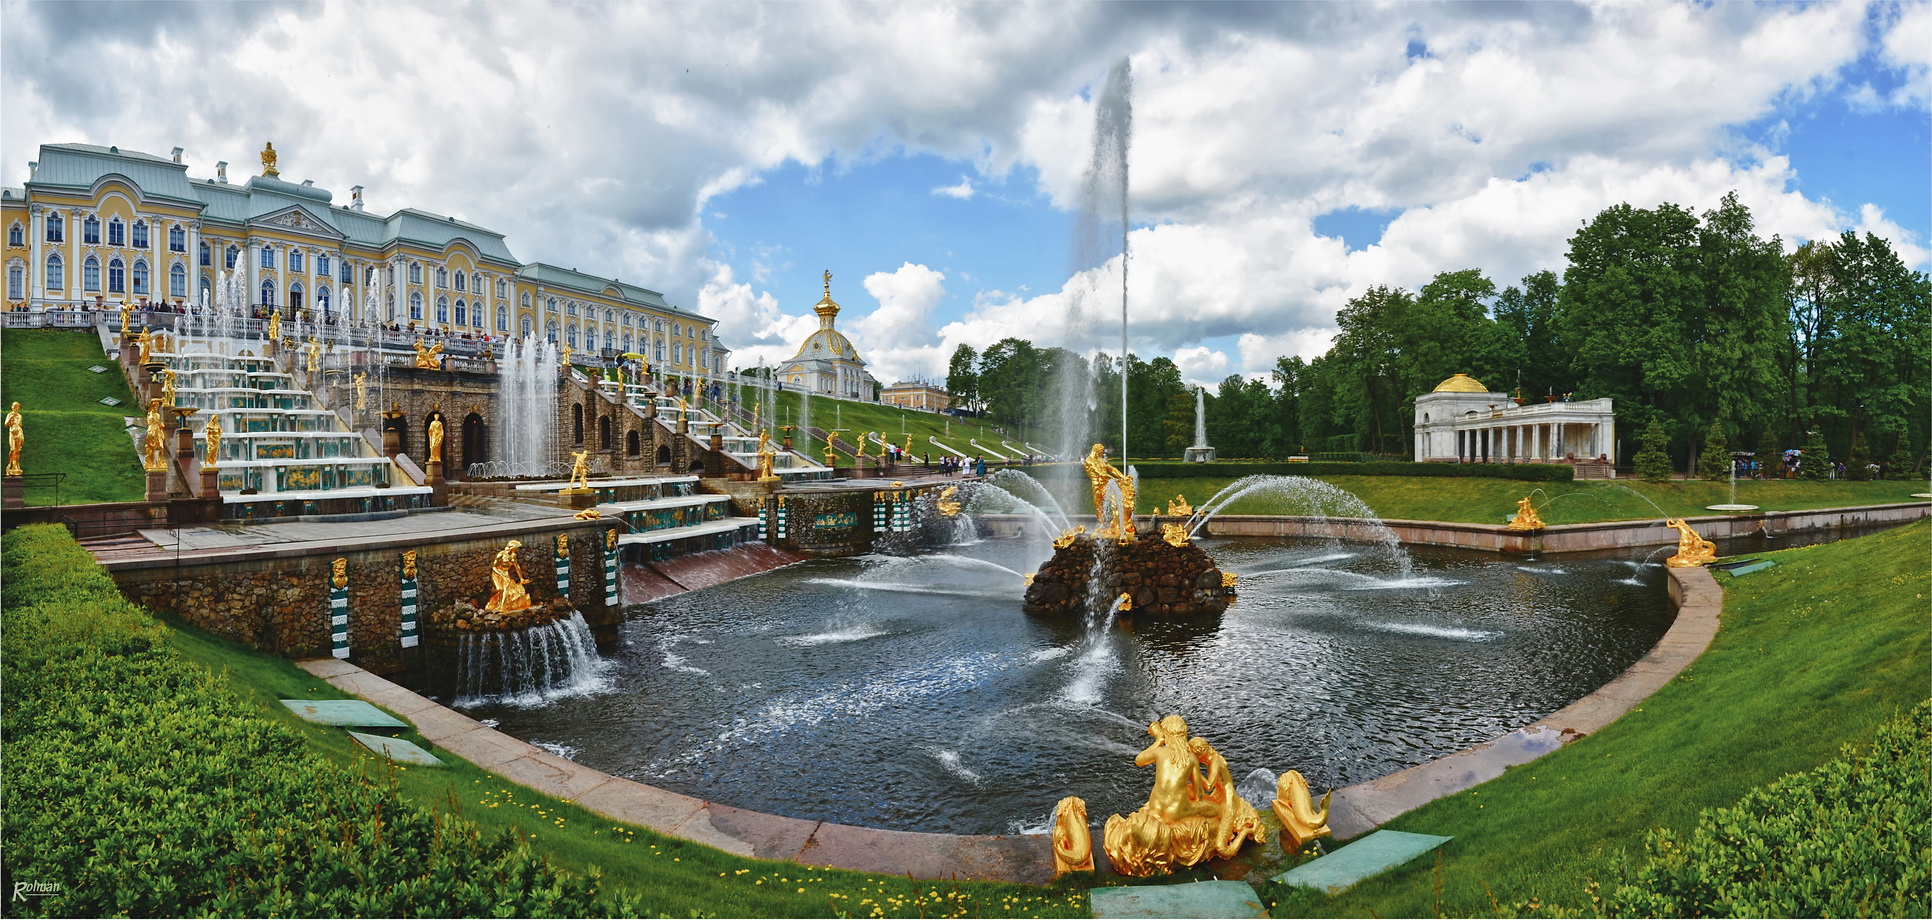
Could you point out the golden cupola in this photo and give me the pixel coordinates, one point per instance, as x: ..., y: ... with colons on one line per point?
x: 827, y: 309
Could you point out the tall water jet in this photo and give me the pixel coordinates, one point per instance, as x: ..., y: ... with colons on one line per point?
x: 1200, y: 452
x: 1103, y: 194
x: 529, y: 381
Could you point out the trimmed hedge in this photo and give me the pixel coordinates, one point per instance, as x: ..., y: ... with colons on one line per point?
x: 1524, y: 472
x: 1848, y: 839
x: 136, y: 784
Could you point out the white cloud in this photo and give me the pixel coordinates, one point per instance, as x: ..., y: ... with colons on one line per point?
x: 963, y: 191
x: 1201, y: 366
x: 1908, y: 46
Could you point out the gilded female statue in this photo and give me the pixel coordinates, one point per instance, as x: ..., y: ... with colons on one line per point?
x: 507, y: 581
x: 1188, y: 818
x: 15, y: 439
x: 436, y: 440
x: 361, y: 393
x: 155, y: 445
x: 1099, y: 473
x: 580, y: 472
x: 212, y: 435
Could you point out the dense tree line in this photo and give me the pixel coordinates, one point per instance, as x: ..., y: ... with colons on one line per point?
x: 1693, y: 323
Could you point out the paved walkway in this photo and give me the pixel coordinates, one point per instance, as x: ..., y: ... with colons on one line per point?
x: 1355, y: 810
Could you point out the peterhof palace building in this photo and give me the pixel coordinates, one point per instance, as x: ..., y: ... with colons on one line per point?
x: 826, y: 362
x: 101, y: 226
x: 1462, y: 421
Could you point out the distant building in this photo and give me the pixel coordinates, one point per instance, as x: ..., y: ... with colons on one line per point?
x: 916, y: 394
x: 826, y: 362
x: 1461, y: 420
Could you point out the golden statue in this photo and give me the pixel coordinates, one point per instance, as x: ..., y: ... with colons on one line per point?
x: 430, y: 358
x: 409, y: 563
x: 315, y: 354
x: 908, y: 447
x: 1066, y: 539
x: 766, y: 457
x: 1179, y: 507
x: 563, y: 544
x: 362, y: 393
x: 1189, y: 818
x: 507, y: 581
x: 275, y: 325
x: 167, y: 387
x: 1227, y: 579
x: 146, y: 339
x: 127, y: 313
x: 211, y: 435
x: 1174, y: 534
x: 268, y: 160
x: 610, y: 537
x: 16, y: 437
x: 564, y: 364
x: 1072, y: 839
x: 947, y: 502
x: 580, y: 471
x: 1301, y: 821
x: 682, y: 408
x: 1099, y: 473
x: 339, y: 572
x: 1027, y: 579
x: 588, y: 514
x: 1525, y: 517
x: 858, y: 456
x: 1124, y: 603
x: 155, y: 446
x: 436, y: 440
x: 1692, y: 549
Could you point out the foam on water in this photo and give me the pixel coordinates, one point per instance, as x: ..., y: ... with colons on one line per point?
x: 950, y: 762
x: 841, y: 634
x: 567, y: 752
x: 1458, y: 633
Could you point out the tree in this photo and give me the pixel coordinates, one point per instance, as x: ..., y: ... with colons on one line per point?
x: 1653, y: 465
x: 1855, y: 462
x: 1715, y: 461
x: 1737, y: 336
x: 1367, y: 367
x: 1769, y: 458
x: 1289, y: 376
x: 1815, y: 463
x: 962, y: 377
x: 1527, y: 349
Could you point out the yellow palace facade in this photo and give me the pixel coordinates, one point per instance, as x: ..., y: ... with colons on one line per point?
x: 97, y: 227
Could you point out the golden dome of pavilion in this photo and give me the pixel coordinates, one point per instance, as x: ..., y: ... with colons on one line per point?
x: 1461, y: 383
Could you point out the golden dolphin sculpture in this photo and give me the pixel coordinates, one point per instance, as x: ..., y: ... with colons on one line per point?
x: 1072, y: 840
x: 1301, y: 821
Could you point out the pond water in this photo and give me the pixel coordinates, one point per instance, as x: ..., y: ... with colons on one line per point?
x: 912, y: 693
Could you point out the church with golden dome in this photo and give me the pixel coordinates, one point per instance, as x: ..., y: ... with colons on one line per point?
x: 826, y: 363
x: 1463, y: 421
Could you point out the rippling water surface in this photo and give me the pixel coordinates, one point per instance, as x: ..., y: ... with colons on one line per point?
x: 912, y: 693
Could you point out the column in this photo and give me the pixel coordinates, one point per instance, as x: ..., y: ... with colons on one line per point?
x: 73, y: 280
x: 194, y: 261
x: 248, y: 261
x: 157, y: 271
x: 37, y: 268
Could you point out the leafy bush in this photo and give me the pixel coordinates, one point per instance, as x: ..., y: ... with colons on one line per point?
x: 136, y: 784
x: 1714, y: 462
x: 1815, y: 463
x: 1523, y: 472
x: 1846, y: 839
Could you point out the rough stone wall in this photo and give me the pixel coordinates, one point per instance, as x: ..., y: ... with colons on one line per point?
x: 281, y: 605
x: 417, y: 393
x: 1161, y: 579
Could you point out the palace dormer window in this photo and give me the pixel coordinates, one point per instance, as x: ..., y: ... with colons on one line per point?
x: 502, y: 318
x: 460, y: 284
x: 268, y: 258
x: 462, y: 311
x: 322, y: 297
x: 16, y: 281
x: 551, y: 307
x: 177, y: 281
x: 91, y: 275
x: 442, y: 278
x: 415, y: 305
x: 570, y: 308
x: 140, y: 235
x: 16, y: 235
x: 295, y: 260
x: 56, y: 273
x: 56, y: 228
x: 476, y: 282
x: 116, y: 233
x: 230, y: 257
x: 91, y: 230
x: 416, y: 274
x: 502, y: 289
x: 442, y: 310
x: 322, y: 264
x: 140, y: 276
x: 268, y: 292
x: 348, y: 272
x: 178, y: 239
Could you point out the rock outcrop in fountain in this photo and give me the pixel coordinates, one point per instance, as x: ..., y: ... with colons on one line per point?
x: 1165, y: 576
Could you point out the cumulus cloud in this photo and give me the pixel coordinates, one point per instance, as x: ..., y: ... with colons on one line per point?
x: 1516, y: 124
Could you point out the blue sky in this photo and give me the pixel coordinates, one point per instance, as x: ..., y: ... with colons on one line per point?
x: 1285, y: 156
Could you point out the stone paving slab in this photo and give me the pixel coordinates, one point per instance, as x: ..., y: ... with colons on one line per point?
x: 1365, y: 858
x: 397, y: 749
x: 1193, y: 899
x: 768, y: 836
x: 343, y: 712
x: 645, y: 806
x: 552, y: 775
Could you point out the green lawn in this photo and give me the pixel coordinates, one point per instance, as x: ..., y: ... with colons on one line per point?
x: 1812, y: 655
x: 67, y: 429
x: 855, y: 418
x: 673, y: 877
x: 1492, y: 501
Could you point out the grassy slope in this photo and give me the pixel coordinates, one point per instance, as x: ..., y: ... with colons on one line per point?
x: 67, y: 429
x: 1491, y: 501
x: 1812, y: 655
x: 858, y: 417
x: 674, y: 877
